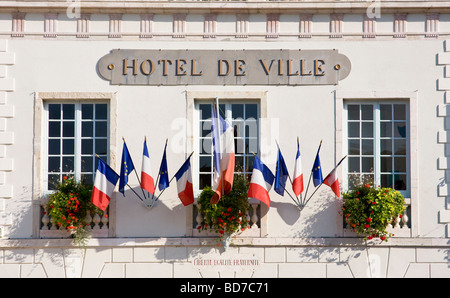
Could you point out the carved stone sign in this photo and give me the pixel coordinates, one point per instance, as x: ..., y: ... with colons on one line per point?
x: 224, y: 67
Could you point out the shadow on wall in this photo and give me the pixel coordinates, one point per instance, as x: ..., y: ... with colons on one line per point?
x: 319, y: 218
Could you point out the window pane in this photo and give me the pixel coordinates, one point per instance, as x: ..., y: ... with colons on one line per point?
x: 101, y: 129
x: 68, y: 111
x: 367, y: 129
x: 101, y: 146
x: 205, y: 164
x: 87, y: 178
x: 353, y: 147
x: 251, y: 128
x: 101, y: 111
x: 68, y: 146
x: 206, y: 146
x: 205, y: 129
x: 239, y: 162
x: 238, y: 126
x: 250, y: 159
x: 251, y: 111
x: 86, y: 164
x: 353, y: 129
x: 205, y: 111
x: 239, y: 146
x: 386, y: 147
x: 87, y: 147
x: 204, y: 180
x: 54, y: 164
x: 400, y: 182
x: 53, y: 180
x: 367, y: 147
x: 353, y: 112
x: 367, y: 112
x: 400, y: 129
x: 399, y: 111
x: 385, y: 129
x: 237, y: 111
x: 400, y: 164
x: 353, y: 164
x: 386, y: 112
x: 54, y: 129
x: 386, y: 164
x: 54, y: 111
x: 87, y: 111
x: 367, y: 164
x: 251, y: 146
x: 386, y: 180
x: 68, y: 164
x: 400, y: 147
x: 54, y: 146
x: 87, y: 129
x: 69, y: 129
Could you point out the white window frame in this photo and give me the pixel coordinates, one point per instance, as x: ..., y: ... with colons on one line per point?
x: 77, y: 138
x: 228, y: 118
x: 40, y: 144
x: 192, y: 142
x: 376, y: 138
x: 411, y: 97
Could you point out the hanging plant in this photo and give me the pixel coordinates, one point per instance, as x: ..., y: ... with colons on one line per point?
x: 368, y: 210
x: 229, y: 215
x: 69, y: 207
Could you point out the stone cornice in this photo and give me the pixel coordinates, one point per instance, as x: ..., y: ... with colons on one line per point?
x: 418, y: 242
x: 250, y: 6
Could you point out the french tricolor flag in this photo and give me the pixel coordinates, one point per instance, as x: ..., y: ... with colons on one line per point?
x: 261, y: 182
x: 297, y: 182
x: 223, y: 156
x: 147, y: 181
x: 184, y: 183
x: 332, y: 180
x: 104, y: 184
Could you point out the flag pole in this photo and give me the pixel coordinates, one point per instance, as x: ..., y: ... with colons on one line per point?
x: 137, y: 176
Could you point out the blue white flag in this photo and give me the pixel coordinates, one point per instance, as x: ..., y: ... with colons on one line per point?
x: 281, y: 174
x: 317, y: 169
x: 126, y: 167
x: 164, y: 175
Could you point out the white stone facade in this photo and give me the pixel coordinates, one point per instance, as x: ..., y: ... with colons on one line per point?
x: 399, y: 50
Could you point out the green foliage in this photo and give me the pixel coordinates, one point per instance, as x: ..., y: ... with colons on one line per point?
x: 68, y: 207
x: 229, y: 215
x: 368, y: 209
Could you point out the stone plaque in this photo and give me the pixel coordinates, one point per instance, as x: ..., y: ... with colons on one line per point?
x: 224, y: 67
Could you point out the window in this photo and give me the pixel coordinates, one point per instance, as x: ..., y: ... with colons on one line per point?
x: 244, y: 118
x: 75, y: 132
x: 378, y: 143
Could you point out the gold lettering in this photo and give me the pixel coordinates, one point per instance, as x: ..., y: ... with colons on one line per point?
x: 318, y: 67
x: 289, y: 66
x: 193, y: 69
x: 266, y: 69
x: 164, y: 63
x: 179, y: 67
x: 302, y: 67
x: 133, y: 66
x: 151, y: 67
x: 280, y: 67
x: 227, y: 63
x: 239, y: 65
